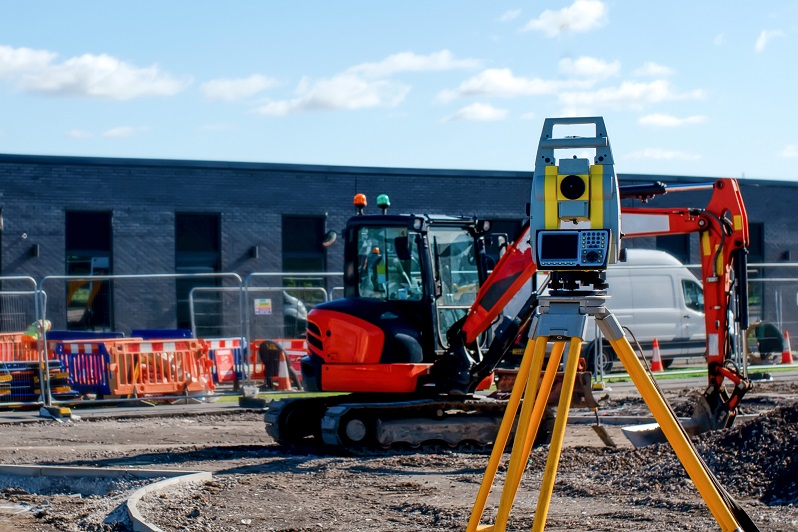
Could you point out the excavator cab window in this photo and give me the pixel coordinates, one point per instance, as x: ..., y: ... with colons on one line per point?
x: 457, y: 274
x: 388, y: 264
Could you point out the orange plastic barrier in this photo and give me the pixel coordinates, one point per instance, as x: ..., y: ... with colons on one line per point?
x: 295, y: 349
x: 15, y: 347
x: 160, y: 367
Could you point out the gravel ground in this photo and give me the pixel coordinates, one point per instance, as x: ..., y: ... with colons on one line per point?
x: 260, y: 486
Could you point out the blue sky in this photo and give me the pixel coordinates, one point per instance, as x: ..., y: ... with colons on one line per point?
x: 691, y: 88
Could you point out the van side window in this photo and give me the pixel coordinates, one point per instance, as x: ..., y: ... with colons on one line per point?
x: 693, y: 295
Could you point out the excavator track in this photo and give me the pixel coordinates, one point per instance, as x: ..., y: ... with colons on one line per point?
x: 367, y: 425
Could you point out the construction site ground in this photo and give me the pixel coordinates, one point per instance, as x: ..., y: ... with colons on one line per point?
x: 258, y: 485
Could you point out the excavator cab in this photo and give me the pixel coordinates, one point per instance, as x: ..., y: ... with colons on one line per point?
x: 407, y: 280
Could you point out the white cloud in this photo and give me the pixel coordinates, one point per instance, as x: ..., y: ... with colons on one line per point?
x: 410, y: 62
x: 344, y: 91
x: 629, y: 94
x: 651, y: 69
x: 512, y: 14
x: 501, y: 82
x: 589, y: 67
x: 662, y: 120
x: 581, y: 16
x: 363, y: 86
x: 124, y: 131
x: 15, y: 61
x: 719, y: 39
x: 94, y: 76
x: 479, y: 112
x: 790, y: 151
x: 236, y: 89
x: 765, y: 37
x: 659, y: 154
x: 79, y: 134
x: 528, y: 116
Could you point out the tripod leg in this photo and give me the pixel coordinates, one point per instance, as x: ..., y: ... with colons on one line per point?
x: 553, y: 460
x: 676, y: 436
x: 528, y: 425
x: 529, y: 371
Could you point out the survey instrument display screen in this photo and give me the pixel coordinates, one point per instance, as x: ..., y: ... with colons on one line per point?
x: 585, y: 249
x: 556, y: 246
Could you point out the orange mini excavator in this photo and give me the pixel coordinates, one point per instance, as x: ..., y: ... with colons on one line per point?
x: 420, y: 327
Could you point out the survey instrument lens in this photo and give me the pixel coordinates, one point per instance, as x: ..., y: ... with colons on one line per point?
x: 572, y: 187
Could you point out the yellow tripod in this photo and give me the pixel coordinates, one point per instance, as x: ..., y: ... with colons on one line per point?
x: 561, y: 320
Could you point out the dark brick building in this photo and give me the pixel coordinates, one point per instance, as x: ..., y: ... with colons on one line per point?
x: 76, y: 215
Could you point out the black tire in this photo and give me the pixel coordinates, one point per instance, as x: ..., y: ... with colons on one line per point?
x: 666, y: 363
x: 607, y: 357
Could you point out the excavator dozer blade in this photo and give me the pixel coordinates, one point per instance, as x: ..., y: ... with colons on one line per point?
x: 581, y: 398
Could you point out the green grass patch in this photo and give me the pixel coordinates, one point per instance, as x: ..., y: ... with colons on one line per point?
x: 276, y: 395
x: 681, y: 374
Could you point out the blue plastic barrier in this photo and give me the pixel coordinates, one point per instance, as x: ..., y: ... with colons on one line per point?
x: 87, y: 365
x: 24, y: 384
x: 227, y: 355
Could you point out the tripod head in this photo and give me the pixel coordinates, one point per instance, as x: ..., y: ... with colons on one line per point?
x: 575, y: 283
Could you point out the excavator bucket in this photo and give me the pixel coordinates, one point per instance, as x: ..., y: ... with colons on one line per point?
x: 705, y: 418
x: 581, y: 398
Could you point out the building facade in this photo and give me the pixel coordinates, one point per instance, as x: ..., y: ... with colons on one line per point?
x: 66, y: 216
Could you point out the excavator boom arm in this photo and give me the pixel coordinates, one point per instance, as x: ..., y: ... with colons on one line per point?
x: 723, y: 229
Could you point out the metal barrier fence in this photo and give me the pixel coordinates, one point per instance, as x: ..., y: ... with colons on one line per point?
x: 262, y: 306
x: 210, y: 310
x: 270, y: 298
x: 18, y: 309
x: 23, y: 373
x: 153, y: 363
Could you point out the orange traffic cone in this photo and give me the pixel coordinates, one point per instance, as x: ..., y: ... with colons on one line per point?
x: 786, y: 355
x: 283, y: 380
x: 656, y: 358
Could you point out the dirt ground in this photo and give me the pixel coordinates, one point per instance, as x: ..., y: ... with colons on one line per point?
x: 258, y: 485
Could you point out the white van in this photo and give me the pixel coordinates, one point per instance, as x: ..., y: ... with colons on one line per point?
x: 654, y: 295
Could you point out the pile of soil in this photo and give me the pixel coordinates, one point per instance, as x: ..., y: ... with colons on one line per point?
x: 758, y: 458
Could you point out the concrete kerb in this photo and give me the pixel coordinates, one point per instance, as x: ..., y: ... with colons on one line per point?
x: 138, y: 521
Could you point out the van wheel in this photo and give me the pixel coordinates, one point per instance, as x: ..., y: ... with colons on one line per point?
x: 606, y: 358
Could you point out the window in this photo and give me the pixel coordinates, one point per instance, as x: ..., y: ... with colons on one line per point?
x: 303, y: 252
x: 693, y: 295
x: 502, y: 234
x: 756, y: 245
x: 676, y: 245
x: 198, y: 250
x: 88, y: 253
x: 388, y: 264
x: 456, y: 271
x: 302, y: 249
